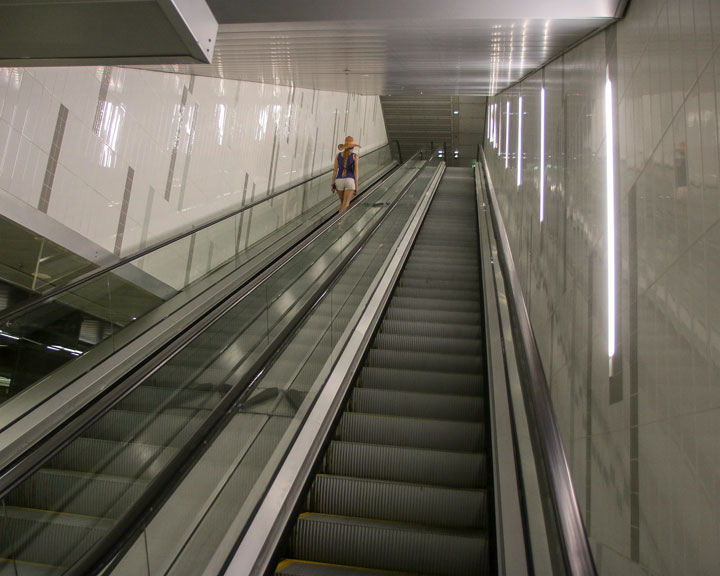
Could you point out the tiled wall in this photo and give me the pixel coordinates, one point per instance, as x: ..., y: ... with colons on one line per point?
x: 126, y: 157
x: 642, y: 444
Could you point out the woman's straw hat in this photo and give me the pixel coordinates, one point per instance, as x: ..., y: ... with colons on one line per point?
x: 349, y: 143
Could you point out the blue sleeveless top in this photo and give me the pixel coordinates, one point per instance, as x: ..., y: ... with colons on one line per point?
x: 346, y: 171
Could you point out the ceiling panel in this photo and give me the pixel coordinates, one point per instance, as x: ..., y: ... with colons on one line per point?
x: 444, y: 56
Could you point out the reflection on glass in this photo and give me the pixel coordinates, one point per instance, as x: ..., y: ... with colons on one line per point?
x: 44, y: 337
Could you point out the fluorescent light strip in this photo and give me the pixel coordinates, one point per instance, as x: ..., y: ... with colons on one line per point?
x: 500, y: 134
x: 610, y: 180
x: 519, y: 154
x: 542, y: 154
x: 507, y: 135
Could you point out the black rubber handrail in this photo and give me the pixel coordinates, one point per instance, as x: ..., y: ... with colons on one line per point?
x: 24, y: 306
x: 575, y: 546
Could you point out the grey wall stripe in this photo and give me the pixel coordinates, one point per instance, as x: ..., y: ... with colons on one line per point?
x: 188, y: 154
x: 302, y: 99
x: 249, y: 224
x: 124, y: 211
x: 146, y: 220
x: 312, y: 166
x: 191, y: 252
x: 332, y: 144
x: 102, y: 100
x: 176, y: 143
x: 274, y: 176
x: 312, y: 107
x: 242, y: 215
x: 272, y: 161
x: 209, y: 257
x: 290, y: 107
x: 52, y: 163
x: 191, y: 87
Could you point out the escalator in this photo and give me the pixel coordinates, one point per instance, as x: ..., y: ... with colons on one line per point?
x: 141, y: 432
x: 172, y: 471
x: 404, y: 484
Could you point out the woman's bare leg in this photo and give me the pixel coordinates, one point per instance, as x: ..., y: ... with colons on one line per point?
x: 347, y: 196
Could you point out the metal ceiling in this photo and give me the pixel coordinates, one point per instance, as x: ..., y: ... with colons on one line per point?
x: 396, y: 46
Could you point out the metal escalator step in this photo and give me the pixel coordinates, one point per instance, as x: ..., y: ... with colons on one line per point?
x: 467, y: 346
x: 440, y: 316
x: 129, y: 460
x: 417, y: 405
x: 293, y: 567
x: 399, y: 502
x: 399, y: 464
x: 155, y: 399
x: 437, y: 304
x: 416, y: 381
x: 389, y: 546
x: 158, y: 429
x: 432, y: 362
x: 76, y: 493
x: 435, y: 329
x: 452, y: 284
x: 435, y: 294
x: 430, y: 275
x: 442, y: 267
x: 430, y: 434
x: 47, y: 539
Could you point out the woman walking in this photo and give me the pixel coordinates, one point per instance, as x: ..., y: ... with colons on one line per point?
x: 345, y: 173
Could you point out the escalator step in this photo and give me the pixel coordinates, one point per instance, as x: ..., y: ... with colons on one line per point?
x: 398, y: 464
x: 389, y: 546
x: 293, y: 567
x: 414, y: 432
x: 156, y: 399
x: 460, y: 346
x: 399, y: 502
x: 437, y: 304
x: 76, y: 493
x: 440, y: 316
x: 426, y: 382
x: 417, y: 405
x: 48, y: 539
x: 158, y: 429
x: 445, y: 284
x: 415, y: 328
x: 130, y: 460
x: 431, y: 362
x: 436, y: 294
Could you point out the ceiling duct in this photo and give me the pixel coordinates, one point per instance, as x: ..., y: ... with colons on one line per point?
x: 77, y: 32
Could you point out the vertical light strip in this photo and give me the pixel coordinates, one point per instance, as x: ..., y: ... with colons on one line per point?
x: 610, y: 182
x: 489, y: 123
x: 507, y: 134
x: 500, y: 132
x: 542, y: 154
x: 495, y: 126
x: 519, y: 152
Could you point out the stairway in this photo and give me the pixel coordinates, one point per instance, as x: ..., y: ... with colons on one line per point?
x: 403, y: 486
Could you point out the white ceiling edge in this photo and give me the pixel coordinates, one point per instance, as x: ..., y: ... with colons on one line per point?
x: 257, y: 11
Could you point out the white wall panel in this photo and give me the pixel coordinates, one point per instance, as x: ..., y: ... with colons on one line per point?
x: 192, y: 140
x: 642, y: 445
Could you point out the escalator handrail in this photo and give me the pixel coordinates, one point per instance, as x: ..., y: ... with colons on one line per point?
x: 23, y: 307
x: 576, y: 548
x: 94, y: 560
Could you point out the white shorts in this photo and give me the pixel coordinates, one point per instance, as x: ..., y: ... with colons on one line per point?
x: 344, y: 184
